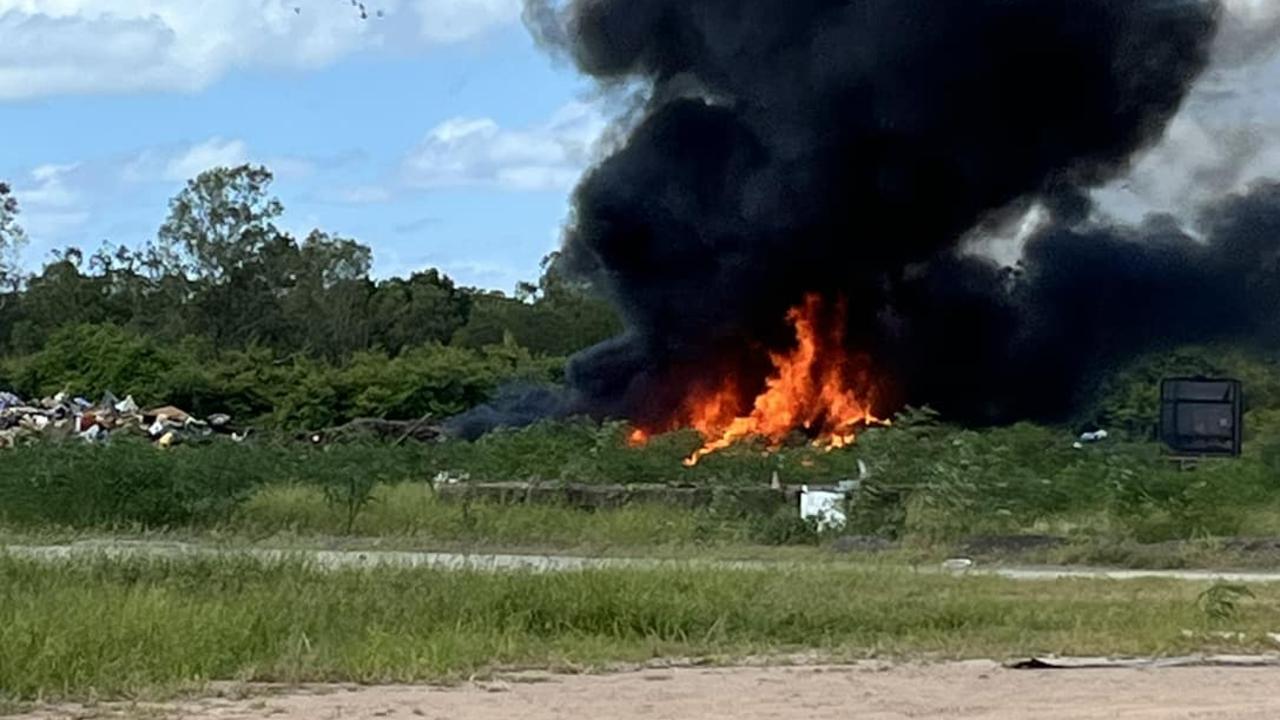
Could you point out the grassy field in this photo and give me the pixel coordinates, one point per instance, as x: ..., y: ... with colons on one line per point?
x: 112, y: 629
x: 94, y: 628
x: 932, y: 489
x: 413, y: 513
x: 409, y: 516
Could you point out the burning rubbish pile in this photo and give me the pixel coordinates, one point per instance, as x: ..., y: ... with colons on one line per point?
x: 814, y: 388
x: 65, y: 417
x: 860, y: 152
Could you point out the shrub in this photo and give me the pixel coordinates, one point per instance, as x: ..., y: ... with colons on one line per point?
x: 124, y: 483
x: 257, y: 387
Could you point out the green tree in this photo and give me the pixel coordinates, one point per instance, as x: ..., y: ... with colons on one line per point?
x: 426, y: 308
x: 11, y: 240
x: 60, y: 295
x: 245, y: 305
x: 90, y: 359
x: 558, y: 316
x: 327, y: 298
x: 108, y: 286
x: 221, y: 221
x: 221, y: 237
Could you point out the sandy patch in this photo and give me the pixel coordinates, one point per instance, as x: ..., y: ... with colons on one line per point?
x: 866, y: 692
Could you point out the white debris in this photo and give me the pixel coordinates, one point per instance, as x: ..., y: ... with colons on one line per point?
x: 1090, y: 438
x: 1215, y: 635
x: 94, y: 433
x: 447, y: 477
x: 827, y: 508
x: 849, y: 487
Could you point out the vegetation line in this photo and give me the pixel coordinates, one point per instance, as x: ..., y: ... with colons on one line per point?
x: 137, y: 627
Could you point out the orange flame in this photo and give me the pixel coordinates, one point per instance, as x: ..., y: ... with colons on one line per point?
x: 815, y: 387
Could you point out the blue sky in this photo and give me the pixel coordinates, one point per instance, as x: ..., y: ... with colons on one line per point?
x: 452, y: 149
x: 438, y: 134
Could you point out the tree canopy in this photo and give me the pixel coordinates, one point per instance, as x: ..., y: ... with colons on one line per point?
x: 11, y: 237
x: 221, y: 281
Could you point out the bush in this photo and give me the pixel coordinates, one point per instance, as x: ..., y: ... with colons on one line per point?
x: 939, y: 484
x: 128, y: 482
x: 121, y: 484
x: 257, y: 387
x: 90, y: 359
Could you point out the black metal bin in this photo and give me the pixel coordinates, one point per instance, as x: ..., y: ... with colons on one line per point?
x: 1200, y: 416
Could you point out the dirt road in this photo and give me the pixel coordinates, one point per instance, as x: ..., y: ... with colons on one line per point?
x: 498, y: 562
x: 974, y: 690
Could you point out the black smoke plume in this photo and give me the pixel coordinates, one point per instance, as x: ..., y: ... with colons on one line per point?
x: 849, y: 148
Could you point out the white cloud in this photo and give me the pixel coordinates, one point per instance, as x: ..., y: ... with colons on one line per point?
x: 443, y: 21
x: 363, y: 195
x: 212, y: 153
x: 52, y: 205
x: 390, y: 261
x: 59, y: 202
x: 54, y: 47
x: 48, y: 186
x: 179, y: 163
x: 470, y: 152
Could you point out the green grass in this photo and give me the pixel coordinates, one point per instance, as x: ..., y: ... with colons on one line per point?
x: 413, y: 513
x: 410, y: 517
x: 112, y: 629
x: 932, y: 486
x: 129, y: 482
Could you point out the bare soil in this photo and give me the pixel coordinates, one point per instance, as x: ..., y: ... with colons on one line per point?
x: 867, y: 692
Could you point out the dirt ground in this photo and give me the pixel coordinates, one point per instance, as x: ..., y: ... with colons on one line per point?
x: 867, y: 692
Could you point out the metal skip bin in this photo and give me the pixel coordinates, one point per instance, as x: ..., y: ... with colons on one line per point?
x: 1201, y: 416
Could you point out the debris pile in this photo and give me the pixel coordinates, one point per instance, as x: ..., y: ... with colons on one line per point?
x: 64, y: 417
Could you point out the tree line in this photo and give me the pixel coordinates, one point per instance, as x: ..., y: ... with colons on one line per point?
x: 221, y: 282
x: 220, y: 268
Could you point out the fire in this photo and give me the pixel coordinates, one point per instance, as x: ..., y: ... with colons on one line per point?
x: 815, y: 387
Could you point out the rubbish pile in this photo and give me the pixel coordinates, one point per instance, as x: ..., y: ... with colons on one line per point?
x: 63, y: 417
